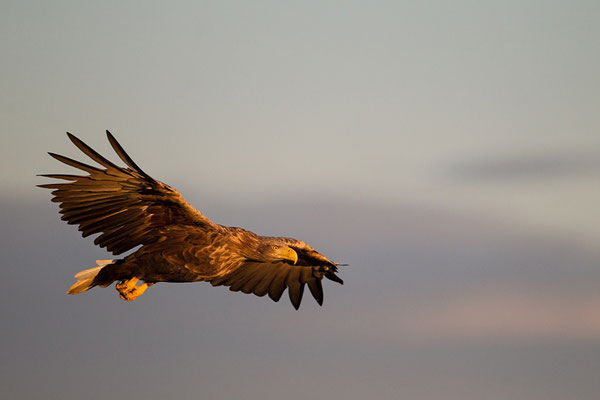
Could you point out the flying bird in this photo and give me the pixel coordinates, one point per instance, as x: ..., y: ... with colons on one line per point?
x: 128, y: 208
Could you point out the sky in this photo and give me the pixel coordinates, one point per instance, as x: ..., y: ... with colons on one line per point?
x: 449, y: 152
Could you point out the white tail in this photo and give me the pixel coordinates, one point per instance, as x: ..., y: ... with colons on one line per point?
x: 86, y: 277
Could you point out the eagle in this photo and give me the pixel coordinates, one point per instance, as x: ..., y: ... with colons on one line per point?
x: 176, y: 243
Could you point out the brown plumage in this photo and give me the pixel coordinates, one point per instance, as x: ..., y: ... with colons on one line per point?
x: 128, y: 208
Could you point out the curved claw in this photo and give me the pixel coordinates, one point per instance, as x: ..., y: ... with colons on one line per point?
x: 128, y: 290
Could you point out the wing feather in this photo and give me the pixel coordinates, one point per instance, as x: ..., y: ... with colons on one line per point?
x: 243, y: 277
x: 273, y: 278
x: 66, y: 177
x: 295, y: 287
x: 277, y: 287
x: 254, y: 280
x: 73, y: 163
x: 125, y: 205
x: 125, y: 157
x: 262, y: 287
x: 316, y: 289
x: 91, y: 153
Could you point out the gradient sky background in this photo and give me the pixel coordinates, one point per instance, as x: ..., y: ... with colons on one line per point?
x: 449, y: 151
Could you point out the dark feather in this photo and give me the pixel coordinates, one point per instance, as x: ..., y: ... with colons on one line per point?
x: 316, y: 289
x: 295, y: 287
x: 278, y: 284
x: 305, y: 274
x: 125, y: 157
x: 66, y: 177
x: 91, y: 152
x: 73, y: 163
x: 332, y: 276
x: 262, y: 288
x: 254, y: 280
x: 246, y: 273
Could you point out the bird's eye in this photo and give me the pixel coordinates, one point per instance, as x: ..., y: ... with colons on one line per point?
x: 275, y: 247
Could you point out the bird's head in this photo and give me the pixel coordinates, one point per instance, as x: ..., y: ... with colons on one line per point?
x: 274, y: 250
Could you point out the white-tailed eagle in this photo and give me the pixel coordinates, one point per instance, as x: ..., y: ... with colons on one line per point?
x: 128, y: 208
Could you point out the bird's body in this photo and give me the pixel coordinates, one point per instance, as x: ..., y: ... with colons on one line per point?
x: 178, y: 243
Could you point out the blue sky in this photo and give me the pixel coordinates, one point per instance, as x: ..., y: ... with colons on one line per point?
x: 448, y: 151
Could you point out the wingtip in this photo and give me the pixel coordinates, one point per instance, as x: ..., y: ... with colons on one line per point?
x: 55, y: 155
x: 296, y: 300
x: 125, y: 157
x: 74, y: 139
x: 333, y: 277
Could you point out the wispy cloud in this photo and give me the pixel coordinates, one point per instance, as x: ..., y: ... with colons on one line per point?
x: 528, y: 167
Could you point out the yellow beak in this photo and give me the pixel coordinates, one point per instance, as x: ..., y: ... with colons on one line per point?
x: 287, y: 253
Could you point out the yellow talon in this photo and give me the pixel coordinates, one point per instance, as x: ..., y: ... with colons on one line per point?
x: 128, y: 290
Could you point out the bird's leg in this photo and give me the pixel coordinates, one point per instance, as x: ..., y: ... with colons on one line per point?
x: 126, y: 285
x: 136, y: 292
x: 128, y: 290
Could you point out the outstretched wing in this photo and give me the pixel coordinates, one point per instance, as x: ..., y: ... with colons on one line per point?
x: 262, y: 278
x: 125, y: 205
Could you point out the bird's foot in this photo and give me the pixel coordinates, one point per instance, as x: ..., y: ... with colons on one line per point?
x: 128, y: 290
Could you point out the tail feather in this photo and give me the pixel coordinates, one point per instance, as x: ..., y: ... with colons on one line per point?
x: 85, y: 278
